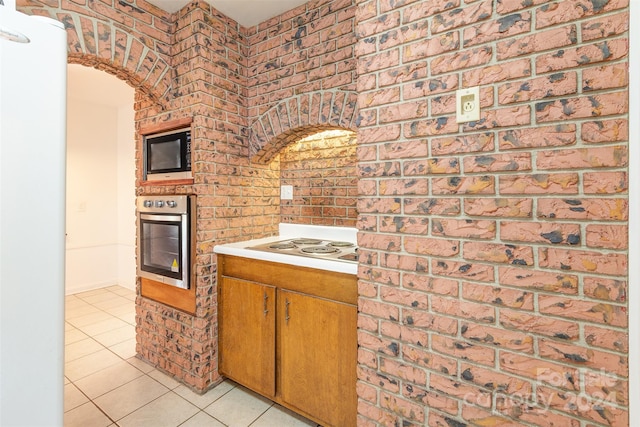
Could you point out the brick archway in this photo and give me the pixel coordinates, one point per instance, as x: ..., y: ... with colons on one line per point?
x: 298, y: 117
x: 104, y: 46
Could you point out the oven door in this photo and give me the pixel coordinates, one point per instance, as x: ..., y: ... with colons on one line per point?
x: 164, y: 254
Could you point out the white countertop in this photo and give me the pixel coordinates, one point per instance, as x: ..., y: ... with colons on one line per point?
x: 292, y: 231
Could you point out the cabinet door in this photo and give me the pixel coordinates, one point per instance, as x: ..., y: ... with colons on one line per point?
x: 246, y: 332
x: 318, y: 352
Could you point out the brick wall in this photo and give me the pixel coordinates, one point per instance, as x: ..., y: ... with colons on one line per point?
x: 322, y: 170
x: 493, y: 273
x: 195, y: 64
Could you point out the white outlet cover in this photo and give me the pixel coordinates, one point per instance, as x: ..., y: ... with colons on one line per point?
x: 468, y: 105
x: 286, y: 192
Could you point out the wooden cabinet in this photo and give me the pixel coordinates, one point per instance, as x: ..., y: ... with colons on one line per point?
x: 318, y: 355
x: 247, y: 334
x: 289, y: 333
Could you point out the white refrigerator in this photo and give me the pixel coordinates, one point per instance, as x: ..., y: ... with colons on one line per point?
x: 33, y: 63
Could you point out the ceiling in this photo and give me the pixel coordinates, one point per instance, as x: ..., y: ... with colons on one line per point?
x: 245, y: 12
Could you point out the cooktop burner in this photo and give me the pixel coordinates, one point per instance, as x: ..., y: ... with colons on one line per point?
x: 306, y: 241
x: 315, y: 248
x: 320, y: 250
x: 286, y: 245
x: 341, y: 244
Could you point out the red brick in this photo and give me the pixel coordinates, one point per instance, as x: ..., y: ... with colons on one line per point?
x: 428, y: 321
x: 537, y: 42
x: 501, y: 28
x: 497, y: 163
x: 497, y: 337
x: 430, y: 360
x: 431, y: 166
x: 479, y: 229
x: 502, y: 117
x: 605, y: 26
x: 431, y: 399
x: 428, y: 246
x: 605, y: 289
x: 542, y: 371
x: 538, y: 137
x: 503, y: 297
x: 430, y: 284
x: 605, y: 77
x: 615, y: 130
x: 462, y: 144
x: 581, y: 56
x: 384, y: 382
x: 461, y: 60
x: 591, y: 209
x: 430, y: 127
x: 435, y: 206
x: 419, y: 10
x: 596, y: 312
x: 584, y: 261
x: 578, y: 355
x: 479, y: 272
x: 403, y: 150
x: 541, y: 325
x: 462, y: 350
x: 469, y: 310
x: 500, y: 207
x: 560, y: 183
x: 607, y: 236
x: 460, y: 17
x: 498, y: 253
x: 573, y: 404
x: 570, y: 10
x: 409, y: 225
x: 403, y: 407
x: 553, y: 85
x: 379, y: 169
x: 607, y: 338
x: 605, y: 182
x: 428, y: 47
x: 464, y: 185
x: 461, y: 390
x: 384, y: 311
x: 600, y: 385
x: 537, y: 232
x: 534, y: 279
x: 422, y: 88
x: 583, y: 158
x: 406, y: 334
x: 391, y: 187
x: 497, y: 73
x: 582, y: 107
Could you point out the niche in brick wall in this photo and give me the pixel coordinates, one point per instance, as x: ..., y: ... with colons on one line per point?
x: 322, y: 170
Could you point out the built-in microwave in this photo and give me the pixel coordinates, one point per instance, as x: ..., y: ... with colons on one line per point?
x: 167, y: 155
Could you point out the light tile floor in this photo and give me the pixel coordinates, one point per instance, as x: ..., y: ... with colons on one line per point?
x: 107, y: 385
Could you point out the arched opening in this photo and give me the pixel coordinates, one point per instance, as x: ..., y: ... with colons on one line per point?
x: 321, y: 171
x: 100, y: 200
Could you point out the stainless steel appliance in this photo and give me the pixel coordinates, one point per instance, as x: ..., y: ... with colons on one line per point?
x: 164, y: 244
x: 312, y: 247
x: 167, y: 155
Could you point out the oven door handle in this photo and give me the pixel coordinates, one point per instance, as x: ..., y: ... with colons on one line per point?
x: 161, y: 218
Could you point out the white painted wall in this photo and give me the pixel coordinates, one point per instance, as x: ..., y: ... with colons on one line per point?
x: 100, y: 221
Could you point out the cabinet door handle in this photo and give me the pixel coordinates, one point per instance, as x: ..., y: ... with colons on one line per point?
x: 286, y: 311
x: 264, y: 302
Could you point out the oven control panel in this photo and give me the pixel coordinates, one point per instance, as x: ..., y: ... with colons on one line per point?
x: 163, y: 204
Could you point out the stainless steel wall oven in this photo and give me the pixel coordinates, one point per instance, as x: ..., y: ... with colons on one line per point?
x: 164, y: 238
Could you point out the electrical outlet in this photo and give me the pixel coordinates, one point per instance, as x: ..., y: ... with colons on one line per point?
x: 286, y: 192
x: 468, y: 105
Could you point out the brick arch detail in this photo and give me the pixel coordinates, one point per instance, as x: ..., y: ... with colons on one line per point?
x: 300, y: 116
x: 104, y: 46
